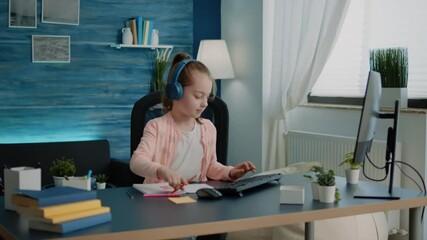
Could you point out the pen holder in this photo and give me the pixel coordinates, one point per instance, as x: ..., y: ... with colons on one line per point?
x: 78, y: 182
x: 20, y: 178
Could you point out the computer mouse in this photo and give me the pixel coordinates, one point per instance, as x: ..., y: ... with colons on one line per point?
x: 208, y: 193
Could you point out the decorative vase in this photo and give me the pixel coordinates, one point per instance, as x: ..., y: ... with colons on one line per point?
x: 155, y: 37
x: 352, y: 175
x: 100, y: 185
x: 127, y: 37
x: 327, y: 194
x: 390, y: 95
x: 315, y: 190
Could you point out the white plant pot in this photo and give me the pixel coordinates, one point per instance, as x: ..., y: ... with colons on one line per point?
x: 352, y: 175
x: 390, y: 95
x: 327, y: 194
x: 100, y: 185
x: 315, y: 190
x: 59, y: 181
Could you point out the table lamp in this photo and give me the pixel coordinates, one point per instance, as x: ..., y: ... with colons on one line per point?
x: 214, y: 54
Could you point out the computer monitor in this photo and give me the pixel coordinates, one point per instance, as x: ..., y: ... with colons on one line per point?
x: 366, y: 133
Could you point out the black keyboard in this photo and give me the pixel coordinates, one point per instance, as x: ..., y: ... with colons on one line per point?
x: 237, y: 187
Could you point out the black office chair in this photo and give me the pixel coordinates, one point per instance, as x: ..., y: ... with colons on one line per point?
x: 144, y: 110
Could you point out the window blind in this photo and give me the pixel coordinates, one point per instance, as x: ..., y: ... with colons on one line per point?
x: 376, y: 24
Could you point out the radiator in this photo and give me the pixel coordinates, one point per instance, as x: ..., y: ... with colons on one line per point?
x: 330, y: 151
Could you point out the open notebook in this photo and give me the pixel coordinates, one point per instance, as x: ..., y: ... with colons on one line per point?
x: 164, y: 188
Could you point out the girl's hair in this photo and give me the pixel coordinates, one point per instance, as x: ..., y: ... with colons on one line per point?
x: 185, y: 77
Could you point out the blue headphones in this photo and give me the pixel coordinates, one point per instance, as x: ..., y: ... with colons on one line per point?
x: 174, y: 89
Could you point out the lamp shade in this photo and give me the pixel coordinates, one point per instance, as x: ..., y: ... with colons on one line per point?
x: 214, y: 54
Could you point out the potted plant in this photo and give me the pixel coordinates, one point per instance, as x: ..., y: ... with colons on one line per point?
x: 327, y: 188
x: 313, y: 180
x: 101, y: 180
x: 62, y: 169
x: 352, y: 172
x: 161, y: 62
x: 392, y: 64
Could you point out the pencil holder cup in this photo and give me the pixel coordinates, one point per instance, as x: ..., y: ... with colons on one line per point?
x: 20, y: 178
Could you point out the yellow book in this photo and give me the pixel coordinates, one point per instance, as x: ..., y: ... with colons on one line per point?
x: 45, y: 212
x: 75, y: 215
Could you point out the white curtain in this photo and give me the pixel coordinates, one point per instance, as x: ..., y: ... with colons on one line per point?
x: 304, y: 34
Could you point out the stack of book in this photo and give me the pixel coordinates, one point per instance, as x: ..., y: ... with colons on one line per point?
x: 142, y: 30
x: 61, y: 209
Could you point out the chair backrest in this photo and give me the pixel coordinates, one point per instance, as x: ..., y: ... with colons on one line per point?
x: 145, y: 109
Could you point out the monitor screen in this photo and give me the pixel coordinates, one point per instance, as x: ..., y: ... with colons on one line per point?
x: 369, y: 117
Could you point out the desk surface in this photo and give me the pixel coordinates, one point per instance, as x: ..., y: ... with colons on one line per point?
x: 158, y: 218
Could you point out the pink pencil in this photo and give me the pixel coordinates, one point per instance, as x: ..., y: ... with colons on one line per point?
x: 162, y: 195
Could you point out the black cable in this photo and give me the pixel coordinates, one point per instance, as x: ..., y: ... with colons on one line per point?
x: 413, y: 180
x: 373, y: 164
x: 372, y: 179
x: 422, y: 180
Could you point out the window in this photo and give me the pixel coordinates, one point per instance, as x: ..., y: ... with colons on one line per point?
x: 376, y: 24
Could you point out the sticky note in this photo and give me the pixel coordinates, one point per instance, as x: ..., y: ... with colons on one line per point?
x: 182, y: 200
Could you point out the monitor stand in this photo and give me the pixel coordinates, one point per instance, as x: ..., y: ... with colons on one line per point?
x: 383, y: 192
x: 377, y: 193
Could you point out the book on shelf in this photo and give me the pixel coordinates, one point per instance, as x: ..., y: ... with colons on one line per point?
x: 70, y: 226
x: 51, y: 196
x: 139, y: 30
x: 74, y: 215
x: 45, y: 212
x: 148, y: 29
x: 133, y: 28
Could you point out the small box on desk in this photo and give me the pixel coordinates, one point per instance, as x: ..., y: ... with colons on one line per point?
x: 24, y: 178
x: 291, y: 194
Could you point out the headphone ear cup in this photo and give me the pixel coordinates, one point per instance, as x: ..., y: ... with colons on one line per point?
x: 174, y: 90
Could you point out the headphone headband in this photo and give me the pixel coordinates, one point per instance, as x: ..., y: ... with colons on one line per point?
x: 178, y: 69
x: 174, y: 89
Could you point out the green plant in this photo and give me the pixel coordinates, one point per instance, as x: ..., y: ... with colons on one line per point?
x: 102, y: 178
x: 392, y: 64
x: 326, y: 178
x: 64, y: 167
x: 317, y: 170
x: 348, y: 159
x: 161, y: 62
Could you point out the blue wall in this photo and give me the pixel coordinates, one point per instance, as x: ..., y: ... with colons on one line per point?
x: 91, y: 97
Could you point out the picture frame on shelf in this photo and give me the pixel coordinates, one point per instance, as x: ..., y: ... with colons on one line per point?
x: 23, y: 13
x: 61, y: 12
x: 51, y: 49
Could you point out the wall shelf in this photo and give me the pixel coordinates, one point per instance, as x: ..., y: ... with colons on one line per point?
x: 119, y: 46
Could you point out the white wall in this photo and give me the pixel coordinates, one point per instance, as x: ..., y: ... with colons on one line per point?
x: 241, y: 27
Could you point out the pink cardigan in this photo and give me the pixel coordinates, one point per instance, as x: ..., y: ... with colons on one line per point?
x: 157, y: 148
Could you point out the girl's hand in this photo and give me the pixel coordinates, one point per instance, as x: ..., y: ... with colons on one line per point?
x: 241, y: 169
x: 173, y: 178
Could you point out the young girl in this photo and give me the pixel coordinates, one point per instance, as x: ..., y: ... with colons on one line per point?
x: 180, y: 146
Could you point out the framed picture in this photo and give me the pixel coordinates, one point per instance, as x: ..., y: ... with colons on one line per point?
x: 23, y: 13
x: 51, y: 49
x: 61, y: 11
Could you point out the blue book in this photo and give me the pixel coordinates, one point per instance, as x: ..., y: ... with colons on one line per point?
x: 70, y: 226
x: 140, y: 29
x: 51, y: 196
